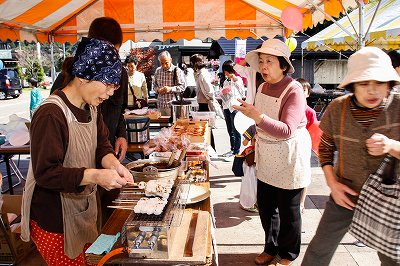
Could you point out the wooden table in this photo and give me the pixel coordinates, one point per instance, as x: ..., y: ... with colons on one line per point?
x: 136, y: 148
x: 8, y: 151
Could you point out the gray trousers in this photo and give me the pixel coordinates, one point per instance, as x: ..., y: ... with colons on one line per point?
x: 333, y: 226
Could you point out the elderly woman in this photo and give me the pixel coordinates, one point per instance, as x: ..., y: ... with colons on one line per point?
x: 283, y: 151
x: 363, y: 127
x: 69, y: 142
x: 137, y: 91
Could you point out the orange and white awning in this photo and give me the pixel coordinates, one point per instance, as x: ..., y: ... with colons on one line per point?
x: 313, y: 11
x: 68, y: 20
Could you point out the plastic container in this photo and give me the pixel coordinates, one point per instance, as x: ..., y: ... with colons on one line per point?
x: 180, y: 110
x: 205, y: 116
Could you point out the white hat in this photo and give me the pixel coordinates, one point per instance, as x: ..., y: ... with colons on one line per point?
x: 273, y: 47
x: 369, y: 63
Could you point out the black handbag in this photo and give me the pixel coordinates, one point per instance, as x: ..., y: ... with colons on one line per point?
x: 140, y: 103
x: 237, y: 166
x: 137, y: 103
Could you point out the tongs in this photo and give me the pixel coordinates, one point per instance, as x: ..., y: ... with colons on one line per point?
x: 171, y: 158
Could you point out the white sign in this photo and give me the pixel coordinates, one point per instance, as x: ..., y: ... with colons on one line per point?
x: 240, y: 48
x: 5, y: 54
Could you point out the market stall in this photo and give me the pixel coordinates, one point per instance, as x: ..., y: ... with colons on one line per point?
x: 166, y: 216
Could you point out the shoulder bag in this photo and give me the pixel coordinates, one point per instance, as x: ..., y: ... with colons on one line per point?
x: 137, y: 103
x: 376, y: 219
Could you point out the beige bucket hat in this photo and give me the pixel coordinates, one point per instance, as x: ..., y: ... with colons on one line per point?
x: 273, y: 47
x: 369, y: 63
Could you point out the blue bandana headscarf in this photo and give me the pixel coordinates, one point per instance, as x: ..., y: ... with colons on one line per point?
x: 97, y: 60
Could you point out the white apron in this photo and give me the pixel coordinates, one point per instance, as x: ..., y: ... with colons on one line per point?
x: 282, y: 163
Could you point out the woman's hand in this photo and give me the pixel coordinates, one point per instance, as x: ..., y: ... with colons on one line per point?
x: 249, y: 110
x: 338, y: 193
x: 110, y: 179
x: 378, y: 144
x: 106, y: 178
x: 124, y: 173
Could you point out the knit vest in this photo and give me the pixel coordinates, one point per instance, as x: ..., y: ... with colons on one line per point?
x: 358, y: 164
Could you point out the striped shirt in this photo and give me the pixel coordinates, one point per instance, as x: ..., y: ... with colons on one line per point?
x: 166, y: 78
x: 364, y: 116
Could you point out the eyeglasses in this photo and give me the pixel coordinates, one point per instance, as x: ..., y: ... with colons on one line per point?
x: 111, y: 87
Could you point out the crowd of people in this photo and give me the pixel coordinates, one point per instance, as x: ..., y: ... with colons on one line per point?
x: 83, y: 119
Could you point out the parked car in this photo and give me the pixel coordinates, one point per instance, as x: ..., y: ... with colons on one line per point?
x: 10, y: 84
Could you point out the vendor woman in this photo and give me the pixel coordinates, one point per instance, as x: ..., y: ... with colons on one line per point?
x: 70, y: 156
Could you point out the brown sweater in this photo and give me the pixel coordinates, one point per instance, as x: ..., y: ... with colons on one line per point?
x: 49, y: 142
x: 357, y: 163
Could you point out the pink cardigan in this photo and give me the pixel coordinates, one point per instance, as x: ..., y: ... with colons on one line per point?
x: 292, y: 111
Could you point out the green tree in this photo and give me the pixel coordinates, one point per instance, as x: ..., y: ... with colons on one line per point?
x: 27, y: 60
x: 38, y: 71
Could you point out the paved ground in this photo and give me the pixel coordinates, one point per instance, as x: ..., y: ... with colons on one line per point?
x: 239, y: 233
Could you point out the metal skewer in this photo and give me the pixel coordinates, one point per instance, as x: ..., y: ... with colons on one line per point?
x: 124, y: 200
x: 120, y: 207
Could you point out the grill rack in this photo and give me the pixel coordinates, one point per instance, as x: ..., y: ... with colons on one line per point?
x: 171, y: 216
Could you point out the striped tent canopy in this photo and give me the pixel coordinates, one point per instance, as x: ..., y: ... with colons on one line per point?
x: 314, y: 11
x: 384, y: 31
x: 148, y: 20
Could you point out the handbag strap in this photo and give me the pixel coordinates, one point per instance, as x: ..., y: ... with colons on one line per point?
x: 387, y: 175
x: 175, y: 76
x: 342, y: 117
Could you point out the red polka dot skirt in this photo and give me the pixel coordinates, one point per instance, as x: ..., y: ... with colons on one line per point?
x: 51, y: 247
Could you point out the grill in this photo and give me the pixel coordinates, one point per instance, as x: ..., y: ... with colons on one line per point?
x: 149, y: 236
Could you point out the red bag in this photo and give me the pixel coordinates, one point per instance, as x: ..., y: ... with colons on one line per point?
x: 315, y: 133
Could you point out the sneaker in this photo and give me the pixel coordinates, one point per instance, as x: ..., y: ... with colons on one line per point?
x: 230, y: 158
x: 278, y: 261
x: 227, y: 154
x: 263, y: 259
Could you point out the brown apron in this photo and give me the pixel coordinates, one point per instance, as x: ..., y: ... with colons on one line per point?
x: 79, y: 209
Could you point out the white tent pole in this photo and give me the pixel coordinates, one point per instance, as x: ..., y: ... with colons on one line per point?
x: 373, y: 17
x: 259, y: 37
x: 347, y: 15
x: 302, y: 62
x: 331, y: 18
x: 361, y: 33
x: 53, y: 74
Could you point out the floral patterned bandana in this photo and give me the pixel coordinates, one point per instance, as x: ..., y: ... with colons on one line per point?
x: 97, y: 60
